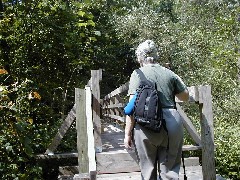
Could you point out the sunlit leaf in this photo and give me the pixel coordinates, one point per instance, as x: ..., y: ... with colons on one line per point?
x: 30, y: 121
x: 82, y: 24
x: 81, y: 13
x: 3, y: 71
x: 36, y: 95
x: 90, y: 22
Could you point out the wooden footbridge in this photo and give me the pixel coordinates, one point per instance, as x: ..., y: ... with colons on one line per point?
x: 100, y: 150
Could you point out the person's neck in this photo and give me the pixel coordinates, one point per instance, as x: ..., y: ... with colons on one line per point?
x: 148, y: 64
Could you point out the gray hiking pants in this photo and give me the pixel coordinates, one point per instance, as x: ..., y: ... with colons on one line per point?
x: 151, y: 148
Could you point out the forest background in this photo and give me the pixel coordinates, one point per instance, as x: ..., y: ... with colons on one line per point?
x: 48, y: 47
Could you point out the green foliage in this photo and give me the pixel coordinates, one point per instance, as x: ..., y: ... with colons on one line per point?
x: 49, y: 47
x: 227, y: 134
x: 112, y: 54
x: 45, y: 47
x: 21, y: 135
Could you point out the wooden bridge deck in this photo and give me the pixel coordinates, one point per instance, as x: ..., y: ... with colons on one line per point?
x: 111, y: 157
x: 119, y: 163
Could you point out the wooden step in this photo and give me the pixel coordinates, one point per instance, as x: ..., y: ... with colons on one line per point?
x: 193, y: 172
x: 118, y: 162
x: 109, y: 162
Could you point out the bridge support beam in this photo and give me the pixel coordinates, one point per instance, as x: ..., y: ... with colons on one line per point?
x: 207, y: 136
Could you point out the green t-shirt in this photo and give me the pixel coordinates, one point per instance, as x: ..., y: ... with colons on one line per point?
x: 168, y: 83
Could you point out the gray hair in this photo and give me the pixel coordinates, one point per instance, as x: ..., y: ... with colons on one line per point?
x: 147, y: 52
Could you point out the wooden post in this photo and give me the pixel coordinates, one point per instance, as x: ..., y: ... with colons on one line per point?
x: 96, y: 76
x: 85, y: 138
x: 81, y: 126
x: 111, y: 103
x: 120, y: 100
x: 206, y: 115
x: 116, y: 102
x: 91, y: 148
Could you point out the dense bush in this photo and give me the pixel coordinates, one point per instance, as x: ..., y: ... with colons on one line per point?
x: 22, y: 130
x: 45, y: 47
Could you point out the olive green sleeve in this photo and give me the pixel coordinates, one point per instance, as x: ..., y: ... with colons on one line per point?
x: 179, y: 84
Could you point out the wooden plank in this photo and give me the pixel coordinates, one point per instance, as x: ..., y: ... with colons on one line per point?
x: 113, y: 141
x: 111, y: 106
x: 119, y: 99
x: 100, y: 78
x: 103, y: 104
x: 193, y: 94
x: 89, y: 82
x: 91, y: 148
x: 111, y: 103
x: 120, y: 118
x: 208, y: 161
x: 119, y: 90
x: 121, y: 104
x: 96, y: 77
x: 57, y: 156
x: 107, y: 110
x: 189, y: 126
x: 81, y: 176
x: 116, y: 101
x: 81, y: 126
x: 62, y: 131
x: 117, y: 161
x: 191, y: 148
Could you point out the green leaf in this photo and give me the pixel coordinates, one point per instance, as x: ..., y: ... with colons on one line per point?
x: 92, y: 39
x: 82, y: 34
x: 81, y: 13
x: 90, y: 22
x: 82, y: 24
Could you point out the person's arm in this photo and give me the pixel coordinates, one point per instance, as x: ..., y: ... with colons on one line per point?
x: 181, y: 89
x: 128, y: 130
x: 183, y: 96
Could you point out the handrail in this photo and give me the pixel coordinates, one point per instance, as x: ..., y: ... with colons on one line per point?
x: 200, y: 95
x: 88, y: 123
x: 119, y: 90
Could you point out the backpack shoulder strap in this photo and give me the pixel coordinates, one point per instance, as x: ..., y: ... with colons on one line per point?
x: 140, y: 73
x: 143, y: 77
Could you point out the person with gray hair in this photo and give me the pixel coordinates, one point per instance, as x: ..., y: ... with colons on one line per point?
x: 157, y: 150
x: 147, y: 52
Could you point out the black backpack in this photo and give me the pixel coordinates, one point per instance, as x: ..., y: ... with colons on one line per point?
x: 147, y: 107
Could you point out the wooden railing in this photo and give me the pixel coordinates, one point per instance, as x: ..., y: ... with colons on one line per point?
x: 87, y: 111
x: 114, y: 102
